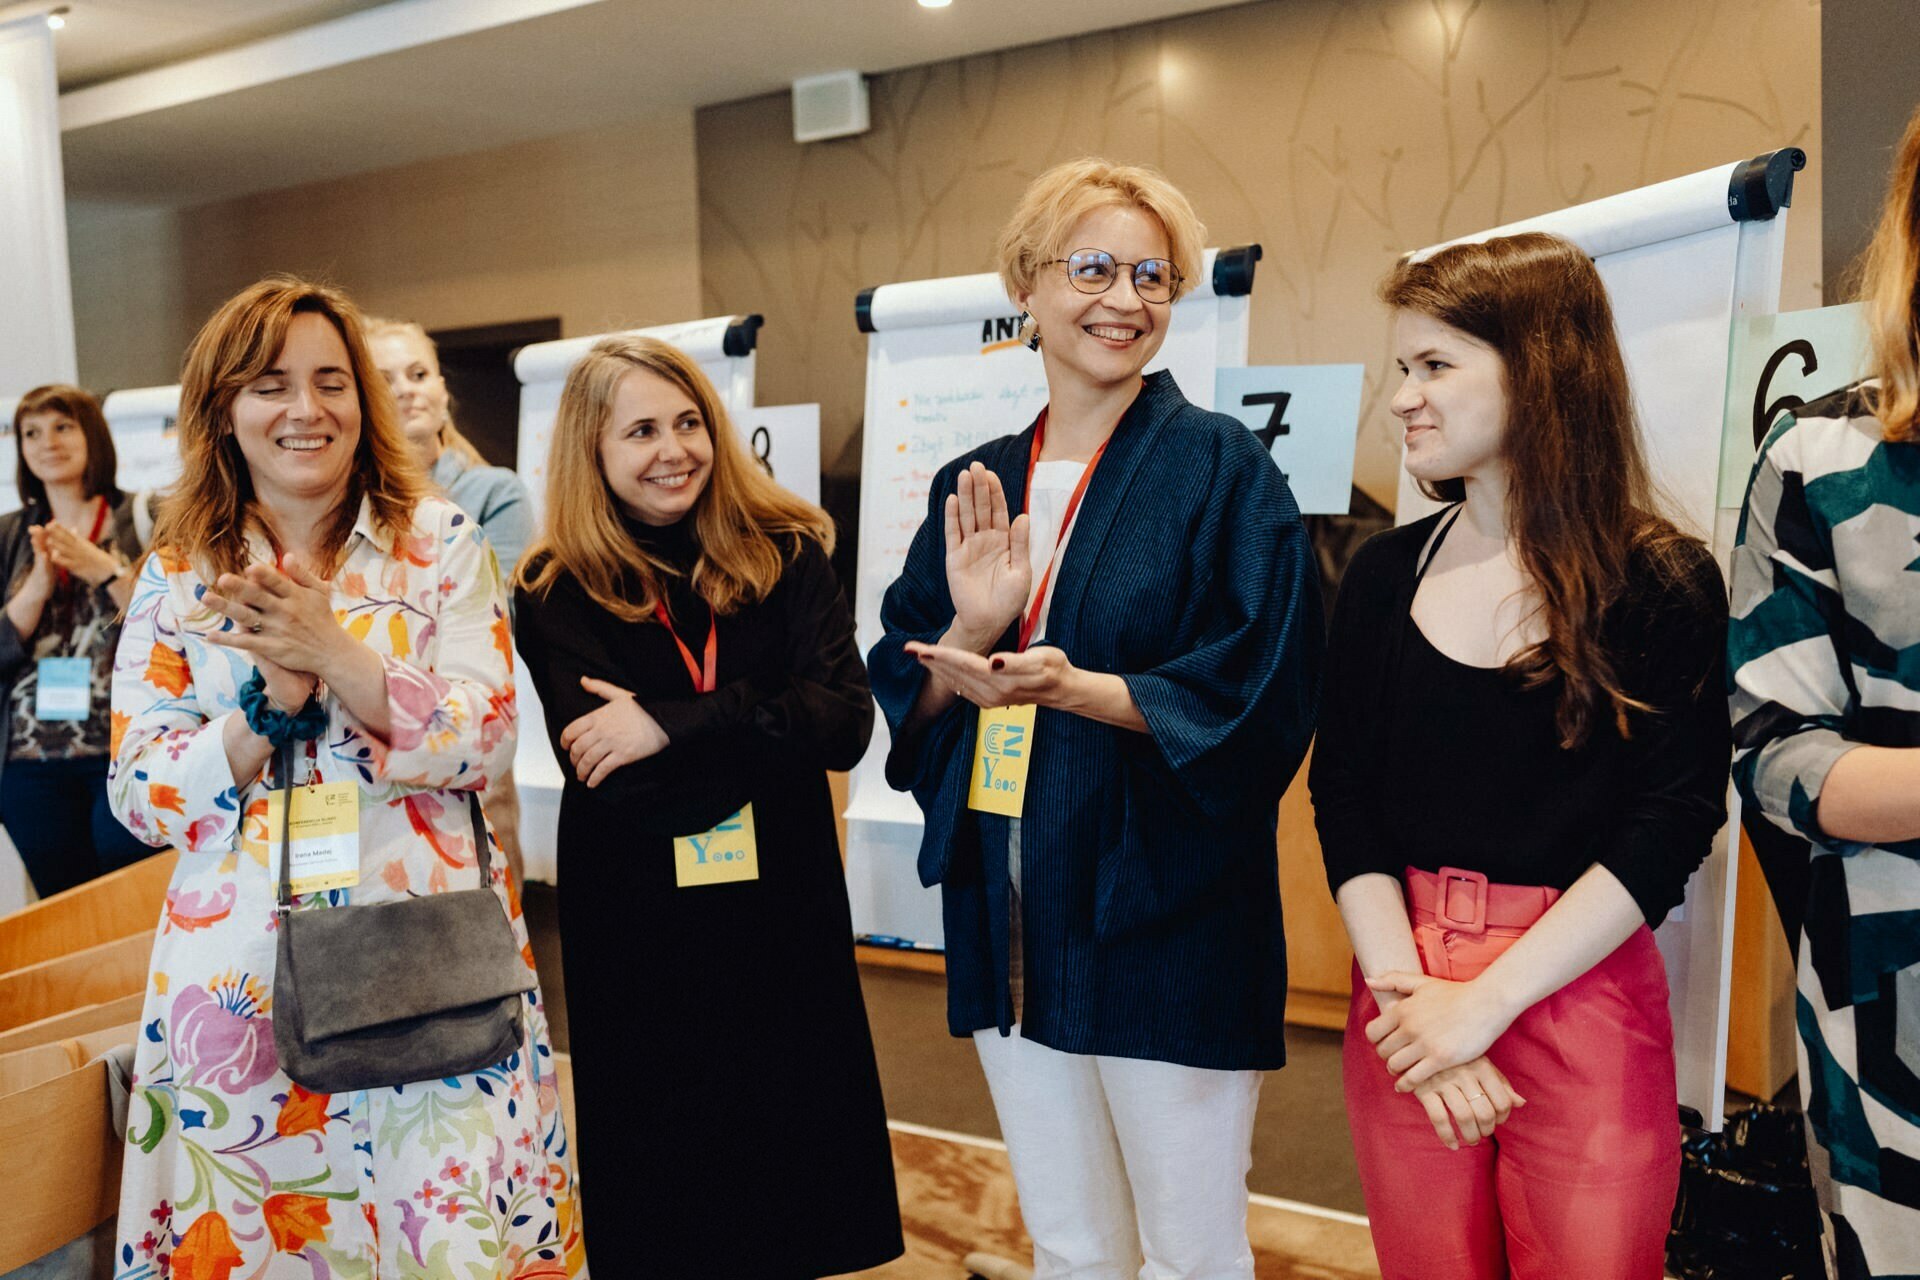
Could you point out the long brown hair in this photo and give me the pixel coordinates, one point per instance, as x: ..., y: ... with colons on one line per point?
x: 744, y: 521
x: 1890, y: 287
x: 71, y: 402
x: 205, y: 516
x: 1581, y: 503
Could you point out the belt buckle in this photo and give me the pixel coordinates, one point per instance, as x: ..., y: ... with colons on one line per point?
x: 1477, y: 921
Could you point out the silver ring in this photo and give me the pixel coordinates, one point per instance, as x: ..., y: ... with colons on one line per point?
x: 1471, y: 1097
x: 254, y: 627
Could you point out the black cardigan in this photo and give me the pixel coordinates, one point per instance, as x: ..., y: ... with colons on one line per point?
x: 1425, y: 762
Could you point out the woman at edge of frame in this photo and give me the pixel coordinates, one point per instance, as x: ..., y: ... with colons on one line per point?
x: 1825, y: 696
x: 1522, y: 759
x: 695, y: 657
x: 1132, y: 574
x: 67, y: 555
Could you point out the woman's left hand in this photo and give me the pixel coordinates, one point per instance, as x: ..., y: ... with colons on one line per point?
x: 87, y: 561
x: 1041, y: 676
x: 284, y: 615
x: 610, y: 736
x: 1439, y: 1024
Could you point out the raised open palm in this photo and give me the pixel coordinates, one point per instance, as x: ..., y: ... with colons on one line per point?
x: 988, y: 572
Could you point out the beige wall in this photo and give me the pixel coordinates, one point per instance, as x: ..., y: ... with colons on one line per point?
x: 1337, y: 133
x: 599, y: 228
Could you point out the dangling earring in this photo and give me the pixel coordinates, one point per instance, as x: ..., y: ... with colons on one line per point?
x: 1029, y: 331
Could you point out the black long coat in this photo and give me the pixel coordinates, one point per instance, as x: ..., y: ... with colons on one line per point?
x: 729, y: 1107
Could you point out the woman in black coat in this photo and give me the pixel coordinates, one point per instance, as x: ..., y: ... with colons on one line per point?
x: 1100, y: 667
x: 695, y: 657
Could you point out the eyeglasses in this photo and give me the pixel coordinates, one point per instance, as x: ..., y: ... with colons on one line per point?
x: 1094, y: 271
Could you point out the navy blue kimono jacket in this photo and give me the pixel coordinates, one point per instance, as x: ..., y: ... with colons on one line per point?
x: 1150, y: 889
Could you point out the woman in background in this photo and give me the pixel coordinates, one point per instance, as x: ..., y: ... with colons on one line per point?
x: 494, y: 496
x: 696, y: 661
x: 1522, y: 757
x: 67, y: 559
x: 1826, y: 707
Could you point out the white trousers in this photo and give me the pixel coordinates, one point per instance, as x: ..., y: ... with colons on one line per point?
x: 1125, y: 1168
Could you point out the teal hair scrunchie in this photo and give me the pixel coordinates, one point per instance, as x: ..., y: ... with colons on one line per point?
x: 277, y: 726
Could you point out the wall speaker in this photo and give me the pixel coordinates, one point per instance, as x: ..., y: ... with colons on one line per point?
x: 829, y: 106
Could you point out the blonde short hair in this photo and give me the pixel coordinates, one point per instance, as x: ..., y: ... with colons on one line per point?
x: 1054, y: 203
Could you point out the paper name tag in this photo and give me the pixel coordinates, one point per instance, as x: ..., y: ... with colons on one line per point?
x: 1002, y: 749
x: 64, y: 689
x: 723, y: 855
x: 323, y: 838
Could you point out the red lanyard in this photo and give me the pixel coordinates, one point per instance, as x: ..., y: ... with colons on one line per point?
x: 1032, y: 619
x: 93, y: 535
x: 703, y: 678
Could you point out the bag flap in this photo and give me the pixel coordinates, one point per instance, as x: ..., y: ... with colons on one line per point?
x: 361, y: 967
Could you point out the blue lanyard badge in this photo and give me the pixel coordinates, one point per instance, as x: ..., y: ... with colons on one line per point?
x: 65, y: 689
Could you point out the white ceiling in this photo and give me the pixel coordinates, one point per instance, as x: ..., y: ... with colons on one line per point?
x: 598, y: 63
x: 108, y: 38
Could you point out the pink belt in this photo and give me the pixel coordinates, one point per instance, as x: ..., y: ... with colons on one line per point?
x: 1463, y: 901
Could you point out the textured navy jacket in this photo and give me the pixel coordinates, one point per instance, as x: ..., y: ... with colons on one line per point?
x: 1151, y: 921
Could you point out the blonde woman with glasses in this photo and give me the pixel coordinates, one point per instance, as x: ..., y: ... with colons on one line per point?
x: 1100, y: 665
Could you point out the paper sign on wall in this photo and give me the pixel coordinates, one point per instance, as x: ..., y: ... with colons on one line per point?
x: 1780, y: 362
x: 1307, y: 416
x: 785, y: 440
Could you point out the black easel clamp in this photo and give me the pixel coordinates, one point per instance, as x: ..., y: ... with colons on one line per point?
x: 863, y: 309
x: 1233, y: 271
x: 742, y: 335
x: 1761, y: 187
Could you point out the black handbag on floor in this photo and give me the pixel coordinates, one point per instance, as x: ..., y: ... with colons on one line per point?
x: 369, y: 997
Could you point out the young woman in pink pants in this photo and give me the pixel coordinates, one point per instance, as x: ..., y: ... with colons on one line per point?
x: 1522, y: 757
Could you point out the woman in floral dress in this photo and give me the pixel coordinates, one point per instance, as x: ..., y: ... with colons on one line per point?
x: 299, y: 558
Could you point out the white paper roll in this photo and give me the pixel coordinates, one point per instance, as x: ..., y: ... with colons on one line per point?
x: 703, y: 340
x: 142, y: 402
x: 1664, y: 211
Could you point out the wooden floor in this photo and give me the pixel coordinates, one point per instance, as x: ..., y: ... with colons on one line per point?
x: 956, y: 1197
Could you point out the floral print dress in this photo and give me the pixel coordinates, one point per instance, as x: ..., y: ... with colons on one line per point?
x: 233, y: 1171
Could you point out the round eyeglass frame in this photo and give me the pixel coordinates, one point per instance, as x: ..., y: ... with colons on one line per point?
x: 1174, y: 277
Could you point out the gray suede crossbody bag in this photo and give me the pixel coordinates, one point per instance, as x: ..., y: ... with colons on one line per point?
x: 368, y: 997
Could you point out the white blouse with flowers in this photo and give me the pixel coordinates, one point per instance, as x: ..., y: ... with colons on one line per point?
x: 229, y: 1164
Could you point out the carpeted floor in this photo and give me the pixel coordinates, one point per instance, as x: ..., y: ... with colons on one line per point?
x: 1301, y: 1150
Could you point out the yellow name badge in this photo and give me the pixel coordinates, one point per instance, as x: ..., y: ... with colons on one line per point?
x: 1002, y: 749
x: 723, y: 855
x: 323, y: 838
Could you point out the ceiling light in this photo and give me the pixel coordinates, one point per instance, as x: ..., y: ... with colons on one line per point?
x: 57, y: 18
x: 935, y: 4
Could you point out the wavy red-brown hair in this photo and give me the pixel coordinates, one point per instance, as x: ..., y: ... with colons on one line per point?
x: 204, y: 516
x: 1581, y: 503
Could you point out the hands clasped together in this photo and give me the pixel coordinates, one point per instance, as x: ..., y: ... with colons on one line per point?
x: 58, y: 548
x: 1434, y: 1035
x: 285, y: 622
x: 990, y: 576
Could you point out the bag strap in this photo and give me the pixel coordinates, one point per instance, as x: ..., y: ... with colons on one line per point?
x: 283, y: 771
